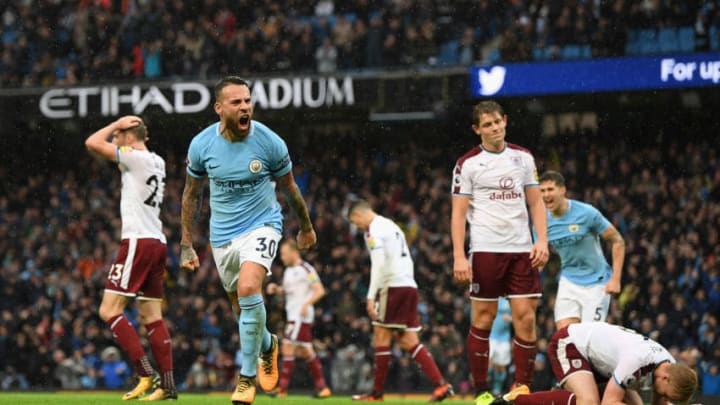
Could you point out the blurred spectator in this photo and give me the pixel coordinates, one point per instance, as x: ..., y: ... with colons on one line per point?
x: 69, y: 370
x: 710, y: 379
x: 114, y: 370
x: 326, y: 57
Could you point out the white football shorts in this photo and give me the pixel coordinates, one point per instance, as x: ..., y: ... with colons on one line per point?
x: 500, y: 352
x: 258, y: 246
x: 588, y: 303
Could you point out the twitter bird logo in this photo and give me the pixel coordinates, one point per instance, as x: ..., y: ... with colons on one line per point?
x: 491, y: 81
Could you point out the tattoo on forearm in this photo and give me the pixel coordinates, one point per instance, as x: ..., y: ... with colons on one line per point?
x: 191, y: 206
x: 296, y: 200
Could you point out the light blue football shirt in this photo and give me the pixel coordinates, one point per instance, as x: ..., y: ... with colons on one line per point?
x: 500, y: 327
x: 575, y: 236
x: 242, y: 194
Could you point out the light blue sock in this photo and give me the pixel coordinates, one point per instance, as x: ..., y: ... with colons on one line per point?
x: 251, y: 325
x: 266, y: 340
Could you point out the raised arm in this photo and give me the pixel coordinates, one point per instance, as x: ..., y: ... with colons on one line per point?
x: 461, y: 266
x: 617, y: 244
x: 191, y: 206
x: 99, y: 142
x: 306, y: 237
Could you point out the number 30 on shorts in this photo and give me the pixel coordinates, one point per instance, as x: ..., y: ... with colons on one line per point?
x: 267, y: 247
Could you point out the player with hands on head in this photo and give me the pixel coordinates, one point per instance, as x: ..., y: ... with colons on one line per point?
x: 494, y: 186
x: 574, y: 231
x: 392, y: 301
x: 243, y: 160
x: 138, y: 269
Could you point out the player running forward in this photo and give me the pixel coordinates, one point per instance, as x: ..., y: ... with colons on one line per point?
x: 392, y: 301
x: 625, y: 360
x: 242, y: 159
x: 302, y: 289
x: 574, y: 231
x: 493, y: 186
x: 138, y: 269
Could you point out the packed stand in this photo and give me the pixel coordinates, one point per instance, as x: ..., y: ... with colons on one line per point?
x: 59, y: 231
x: 46, y: 43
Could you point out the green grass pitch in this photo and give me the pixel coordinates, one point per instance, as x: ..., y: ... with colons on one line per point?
x: 215, y: 398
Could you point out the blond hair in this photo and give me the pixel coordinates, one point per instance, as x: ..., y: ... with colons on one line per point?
x: 683, y: 381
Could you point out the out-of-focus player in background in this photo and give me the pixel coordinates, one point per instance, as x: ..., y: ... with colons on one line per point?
x: 139, y: 266
x: 243, y: 159
x: 302, y: 288
x: 392, y: 301
x: 500, y: 346
x: 493, y: 187
x: 620, y: 357
x: 574, y: 231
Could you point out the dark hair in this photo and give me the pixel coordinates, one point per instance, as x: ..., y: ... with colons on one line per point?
x: 359, y: 205
x: 228, y: 80
x: 552, y: 175
x: 486, y: 107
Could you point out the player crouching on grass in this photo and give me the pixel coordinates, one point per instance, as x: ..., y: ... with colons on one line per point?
x: 138, y: 269
x: 302, y: 288
x: 581, y: 352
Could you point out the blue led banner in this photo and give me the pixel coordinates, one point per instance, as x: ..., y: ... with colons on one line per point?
x: 596, y: 75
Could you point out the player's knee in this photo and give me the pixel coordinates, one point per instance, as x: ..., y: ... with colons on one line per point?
x: 107, y: 312
x: 483, y: 320
x: 245, y: 289
x: 306, y: 353
x: 149, y: 318
x: 288, y: 350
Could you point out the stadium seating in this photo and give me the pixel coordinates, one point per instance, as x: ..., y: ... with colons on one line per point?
x: 28, y: 65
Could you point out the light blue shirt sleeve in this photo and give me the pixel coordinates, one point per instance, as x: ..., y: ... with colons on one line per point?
x: 280, y: 163
x: 195, y: 161
x: 598, y: 222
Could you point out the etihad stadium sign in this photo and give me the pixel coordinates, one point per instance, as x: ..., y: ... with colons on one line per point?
x: 192, y: 97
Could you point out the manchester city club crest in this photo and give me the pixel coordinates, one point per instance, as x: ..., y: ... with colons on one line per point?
x: 255, y: 166
x: 573, y: 228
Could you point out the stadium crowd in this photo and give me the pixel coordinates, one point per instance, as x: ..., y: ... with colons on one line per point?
x: 66, y: 42
x: 59, y: 231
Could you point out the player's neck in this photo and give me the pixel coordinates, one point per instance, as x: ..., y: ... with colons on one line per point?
x: 137, y: 145
x: 230, y: 135
x: 561, y: 208
x: 494, y: 147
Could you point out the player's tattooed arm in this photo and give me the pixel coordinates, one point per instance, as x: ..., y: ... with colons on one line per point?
x: 191, y: 207
x: 296, y: 200
x: 306, y: 237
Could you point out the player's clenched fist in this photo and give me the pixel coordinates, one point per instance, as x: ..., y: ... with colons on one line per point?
x: 306, y: 239
x: 461, y: 271
x: 188, y: 258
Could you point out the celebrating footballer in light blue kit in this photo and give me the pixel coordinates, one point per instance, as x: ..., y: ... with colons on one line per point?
x: 242, y: 194
x: 241, y: 158
x: 574, y: 231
